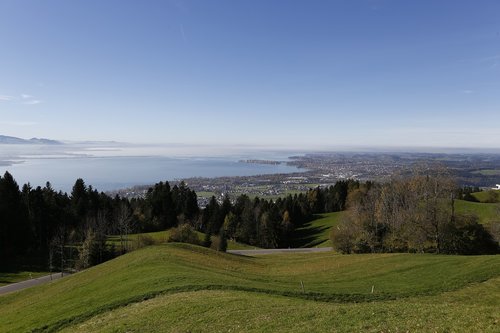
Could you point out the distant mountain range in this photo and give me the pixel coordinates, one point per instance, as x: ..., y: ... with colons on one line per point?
x: 33, y: 141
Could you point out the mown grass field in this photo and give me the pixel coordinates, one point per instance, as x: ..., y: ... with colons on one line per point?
x: 486, y: 196
x: 181, y: 288
x: 316, y: 233
x: 162, y: 237
x: 486, y: 212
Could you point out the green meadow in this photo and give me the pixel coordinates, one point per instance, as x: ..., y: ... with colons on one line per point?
x: 487, y: 196
x: 185, y: 288
x: 316, y: 233
x: 486, y: 212
x: 158, y: 237
x: 488, y: 172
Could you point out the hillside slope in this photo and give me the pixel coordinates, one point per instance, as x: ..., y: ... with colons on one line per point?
x: 316, y: 233
x: 176, y: 281
x: 486, y: 212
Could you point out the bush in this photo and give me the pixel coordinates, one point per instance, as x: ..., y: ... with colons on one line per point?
x: 144, y: 240
x: 343, y: 237
x: 184, y: 234
x: 219, y: 242
x: 468, y: 236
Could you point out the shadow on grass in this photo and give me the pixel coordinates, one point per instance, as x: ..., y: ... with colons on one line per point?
x: 308, y: 235
x: 311, y: 296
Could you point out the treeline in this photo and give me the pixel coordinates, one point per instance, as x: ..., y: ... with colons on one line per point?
x: 258, y: 222
x: 414, y: 214
x: 71, y: 230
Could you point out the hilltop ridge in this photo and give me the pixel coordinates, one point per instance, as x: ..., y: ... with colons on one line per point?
x: 4, y: 139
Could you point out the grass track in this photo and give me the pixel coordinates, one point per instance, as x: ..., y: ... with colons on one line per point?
x: 173, y: 271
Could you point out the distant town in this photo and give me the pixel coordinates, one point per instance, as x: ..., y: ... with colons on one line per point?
x: 324, y: 169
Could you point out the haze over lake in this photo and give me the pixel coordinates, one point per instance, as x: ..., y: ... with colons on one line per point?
x: 115, y: 166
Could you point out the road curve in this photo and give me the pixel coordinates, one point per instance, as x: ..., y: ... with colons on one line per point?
x: 30, y: 283
x: 276, y: 251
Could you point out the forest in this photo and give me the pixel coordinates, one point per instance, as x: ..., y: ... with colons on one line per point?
x: 71, y: 230
x: 57, y: 229
x: 414, y: 214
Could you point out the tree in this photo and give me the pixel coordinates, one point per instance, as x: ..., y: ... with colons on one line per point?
x: 211, y: 216
x: 230, y: 224
x: 123, y: 223
x: 88, y: 250
x: 79, y: 200
x: 58, y: 246
x: 15, y: 233
x: 344, y: 236
x: 222, y: 244
x: 184, y: 234
x: 161, y: 209
x: 465, y: 235
x: 434, y: 205
x: 207, y: 240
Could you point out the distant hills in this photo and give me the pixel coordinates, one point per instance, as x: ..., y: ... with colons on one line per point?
x: 33, y: 141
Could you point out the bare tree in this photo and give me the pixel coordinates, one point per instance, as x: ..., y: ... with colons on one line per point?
x: 57, y: 246
x: 123, y: 224
x: 101, y: 230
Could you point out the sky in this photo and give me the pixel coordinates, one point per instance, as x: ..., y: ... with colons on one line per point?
x: 260, y: 72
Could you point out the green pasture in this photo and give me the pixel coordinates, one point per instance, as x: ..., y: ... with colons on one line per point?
x: 487, y: 196
x: 316, y: 233
x: 160, y: 237
x: 486, y: 212
x: 488, y: 172
x: 181, y: 288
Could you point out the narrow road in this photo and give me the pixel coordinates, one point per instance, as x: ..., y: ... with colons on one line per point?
x: 30, y: 283
x: 275, y: 251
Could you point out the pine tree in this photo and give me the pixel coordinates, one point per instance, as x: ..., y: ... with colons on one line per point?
x: 222, y: 246
x: 207, y: 241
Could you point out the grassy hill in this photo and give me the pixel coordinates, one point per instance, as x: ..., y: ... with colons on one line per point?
x: 487, y: 196
x: 486, y: 212
x: 180, y: 288
x: 162, y: 237
x: 316, y: 233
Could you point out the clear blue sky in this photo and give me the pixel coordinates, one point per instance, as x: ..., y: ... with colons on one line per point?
x: 308, y: 73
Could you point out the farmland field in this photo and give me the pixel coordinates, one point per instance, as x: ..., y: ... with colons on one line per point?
x: 178, y: 287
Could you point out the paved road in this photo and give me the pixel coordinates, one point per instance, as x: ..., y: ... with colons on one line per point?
x: 274, y: 251
x: 29, y: 283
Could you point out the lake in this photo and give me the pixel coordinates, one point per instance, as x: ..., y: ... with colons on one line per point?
x: 114, y: 172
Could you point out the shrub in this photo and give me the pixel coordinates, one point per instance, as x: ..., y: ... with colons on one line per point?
x: 144, y: 240
x: 219, y: 242
x: 468, y: 236
x: 184, y: 234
